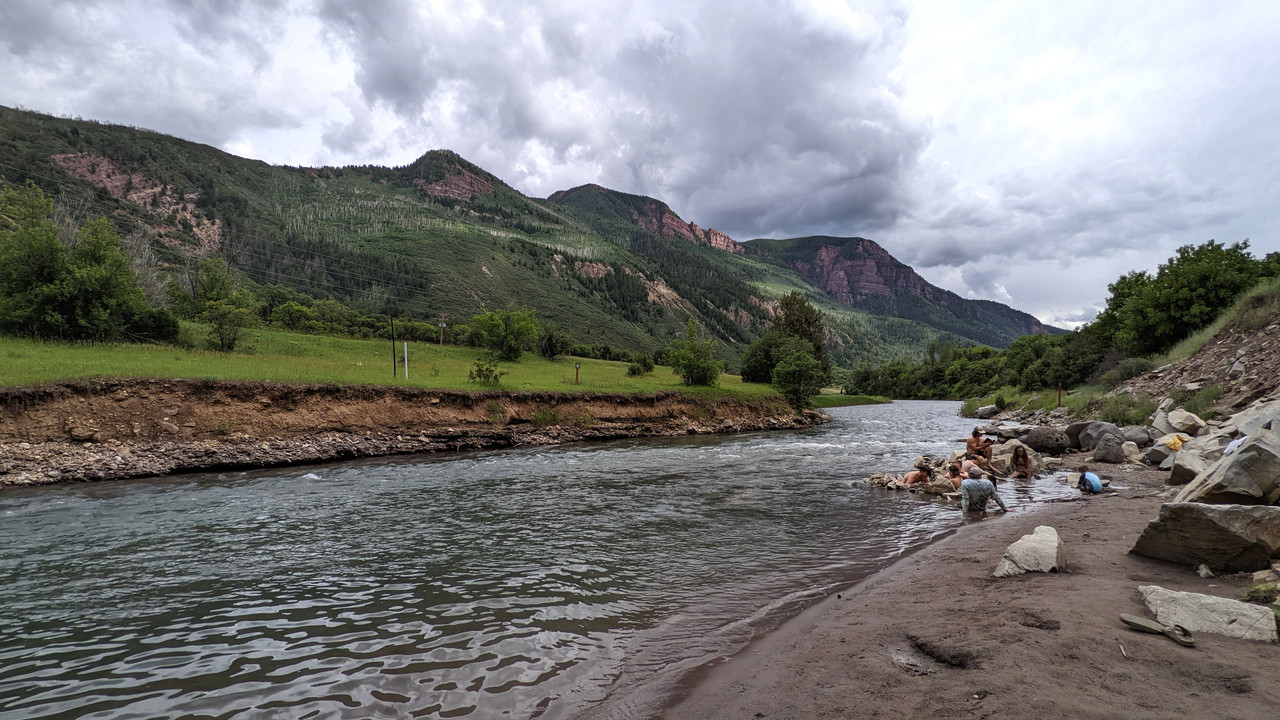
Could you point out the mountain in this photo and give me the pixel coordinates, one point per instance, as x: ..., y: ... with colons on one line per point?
x: 442, y: 236
x: 859, y: 273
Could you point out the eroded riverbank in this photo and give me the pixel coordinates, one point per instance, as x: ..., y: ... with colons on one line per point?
x: 110, y: 429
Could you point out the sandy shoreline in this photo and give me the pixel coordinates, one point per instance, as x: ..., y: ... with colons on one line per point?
x: 1038, y: 645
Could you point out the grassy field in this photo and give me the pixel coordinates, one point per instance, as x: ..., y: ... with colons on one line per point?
x: 826, y: 400
x: 290, y: 357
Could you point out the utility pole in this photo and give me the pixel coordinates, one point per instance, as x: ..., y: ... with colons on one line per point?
x: 441, y: 329
x: 394, y: 366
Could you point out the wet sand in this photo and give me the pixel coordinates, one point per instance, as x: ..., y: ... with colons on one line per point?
x: 936, y: 636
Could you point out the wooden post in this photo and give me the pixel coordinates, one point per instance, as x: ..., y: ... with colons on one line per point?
x: 393, y: 347
x: 575, y: 372
x: 406, y: 360
x: 442, y: 330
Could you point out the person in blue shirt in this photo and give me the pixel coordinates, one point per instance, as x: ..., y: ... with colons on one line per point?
x: 1089, y: 482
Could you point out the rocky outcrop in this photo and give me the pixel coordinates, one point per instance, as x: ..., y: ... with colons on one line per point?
x: 1250, y: 475
x: 1041, y: 551
x: 1227, y: 538
x: 1210, y: 614
x: 1047, y: 439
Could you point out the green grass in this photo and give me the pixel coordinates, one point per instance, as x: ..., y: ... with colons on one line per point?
x: 1254, y: 310
x: 830, y: 401
x: 290, y: 357
x: 1074, y: 400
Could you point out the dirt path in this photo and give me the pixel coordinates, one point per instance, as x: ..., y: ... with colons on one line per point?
x: 935, y: 636
x: 98, y: 430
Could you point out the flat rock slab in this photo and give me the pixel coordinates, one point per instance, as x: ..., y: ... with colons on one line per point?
x: 1227, y: 538
x: 1249, y: 475
x: 1210, y: 614
x: 1041, y: 551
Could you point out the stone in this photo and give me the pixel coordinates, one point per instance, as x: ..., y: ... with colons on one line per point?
x: 1263, y: 577
x: 1110, y: 449
x: 987, y: 411
x: 1090, y: 436
x: 1160, y: 449
x: 1250, y: 475
x: 1047, y: 439
x: 1210, y: 614
x: 1159, y: 423
x: 1231, y: 538
x: 1208, y: 446
x: 1137, y: 435
x: 1041, y: 551
x: 1186, y: 422
x: 1186, y: 466
x: 1131, y: 452
x: 170, y: 427
x: 1257, y: 417
x: 1073, y: 432
x: 1167, y: 463
x: 1165, y: 404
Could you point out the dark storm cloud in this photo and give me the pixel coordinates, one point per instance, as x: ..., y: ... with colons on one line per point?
x: 758, y: 117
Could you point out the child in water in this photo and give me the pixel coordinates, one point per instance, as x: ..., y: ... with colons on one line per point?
x: 1089, y: 482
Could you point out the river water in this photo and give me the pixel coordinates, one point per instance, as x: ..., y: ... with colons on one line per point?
x: 517, y: 584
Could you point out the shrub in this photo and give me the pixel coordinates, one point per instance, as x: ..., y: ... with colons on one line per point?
x: 1121, y: 409
x: 546, y: 417
x: 1123, y: 370
x: 1264, y: 593
x: 486, y: 373
x: 553, y: 344
x: 692, y: 358
x: 799, y: 377
x: 1201, y: 402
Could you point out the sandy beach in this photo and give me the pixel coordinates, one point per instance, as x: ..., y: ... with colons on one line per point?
x: 936, y: 636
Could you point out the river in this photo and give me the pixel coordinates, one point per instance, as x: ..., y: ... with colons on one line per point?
x: 516, y: 584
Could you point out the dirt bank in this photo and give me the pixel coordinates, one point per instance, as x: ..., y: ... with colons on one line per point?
x: 98, y: 430
x: 936, y: 636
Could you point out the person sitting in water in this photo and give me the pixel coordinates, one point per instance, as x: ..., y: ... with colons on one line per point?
x: 978, y: 445
x: 917, y: 477
x: 972, y: 461
x: 1089, y: 482
x: 1021, y: 463
x: 975, y: 491
x: 953, y: 474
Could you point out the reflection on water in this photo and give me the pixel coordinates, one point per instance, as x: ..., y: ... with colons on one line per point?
x: 528, y: 583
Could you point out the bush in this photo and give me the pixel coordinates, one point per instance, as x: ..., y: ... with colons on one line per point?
x: 1121, y: 409
x: 1125, y: 369
x: 642, y: 365
x: 486, y: 373
x: 554, y: 344
x: 1200, y: 402
x: 692, y: 359
x: 799, y: 377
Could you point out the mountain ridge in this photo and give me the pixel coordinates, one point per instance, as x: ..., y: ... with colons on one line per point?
x: 442, y: 236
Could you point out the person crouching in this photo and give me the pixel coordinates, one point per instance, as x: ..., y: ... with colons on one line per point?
x: 976, y: 491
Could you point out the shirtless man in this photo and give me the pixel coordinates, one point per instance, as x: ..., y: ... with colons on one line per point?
x: 978, y: 445
x: 916, y: 477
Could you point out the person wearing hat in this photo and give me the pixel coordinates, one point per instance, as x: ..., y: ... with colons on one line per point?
x: 976, y: 491
x: 978, y: 445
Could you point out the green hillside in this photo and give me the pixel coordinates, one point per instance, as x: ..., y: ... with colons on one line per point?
x: 439, y: 236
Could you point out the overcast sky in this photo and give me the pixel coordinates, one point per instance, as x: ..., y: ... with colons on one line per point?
x: 1029, y: 153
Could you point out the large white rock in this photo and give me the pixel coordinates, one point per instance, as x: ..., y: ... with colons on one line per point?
x: 1210, y: 614
x: 1250, y: 475
x: 1186, y: 422
x: 1041, y: 551
x: 1259, y: 416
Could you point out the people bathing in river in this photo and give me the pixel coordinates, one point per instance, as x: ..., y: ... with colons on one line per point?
x: 953, y: 474
x: 1089, y: 482
x: 978, y: 445
x: 976, y: 491
x: 1021, y: 466
x: 917, y: 477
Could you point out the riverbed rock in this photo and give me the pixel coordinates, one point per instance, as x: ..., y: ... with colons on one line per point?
x: 987, y: 411
x: 1163, y: 447
x: 1094, y: 432
x: 1131, y: 452
x: 1250, y: 475
x: 1208, y: 446
x: 1186, y: 422
x: 1210, y: 614
x: 1046, y: 439
x: 1186, y: 466
x: 1073, y: 432
x: 1159, y: 423
x: 1137, y: 435
x: 1110, y: 449
x: 1257, y: 417
x: 1227, y: 538
x: 1041, y: 551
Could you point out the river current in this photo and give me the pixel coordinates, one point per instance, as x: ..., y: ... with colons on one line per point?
x: 516, y: 584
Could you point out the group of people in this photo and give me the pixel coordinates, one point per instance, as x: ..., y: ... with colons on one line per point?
x: 975, y: 477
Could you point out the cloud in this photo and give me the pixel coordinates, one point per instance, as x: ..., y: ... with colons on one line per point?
x: 1025, y: 153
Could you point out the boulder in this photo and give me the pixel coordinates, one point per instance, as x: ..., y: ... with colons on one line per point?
x: 1227, y: 538
x: 987, y: 411
x: 1210, y: 614
x: 1167, y: 463
x: 1256, y: 417
x: 1010, y: 432
x: 1159, y: 423
x: 1250, y: 475
x: 1186, y: 422
x: 1073, y: 432
x: 1110, y: 449
x: 1047, y: 439
x: 1136, y: 434
x: 1163, y: 447
x: 1090, y: 436
x: 1208, y: 446
x: 1186, y: 466
x: 1131, y: 452
x: 1041, y: 551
